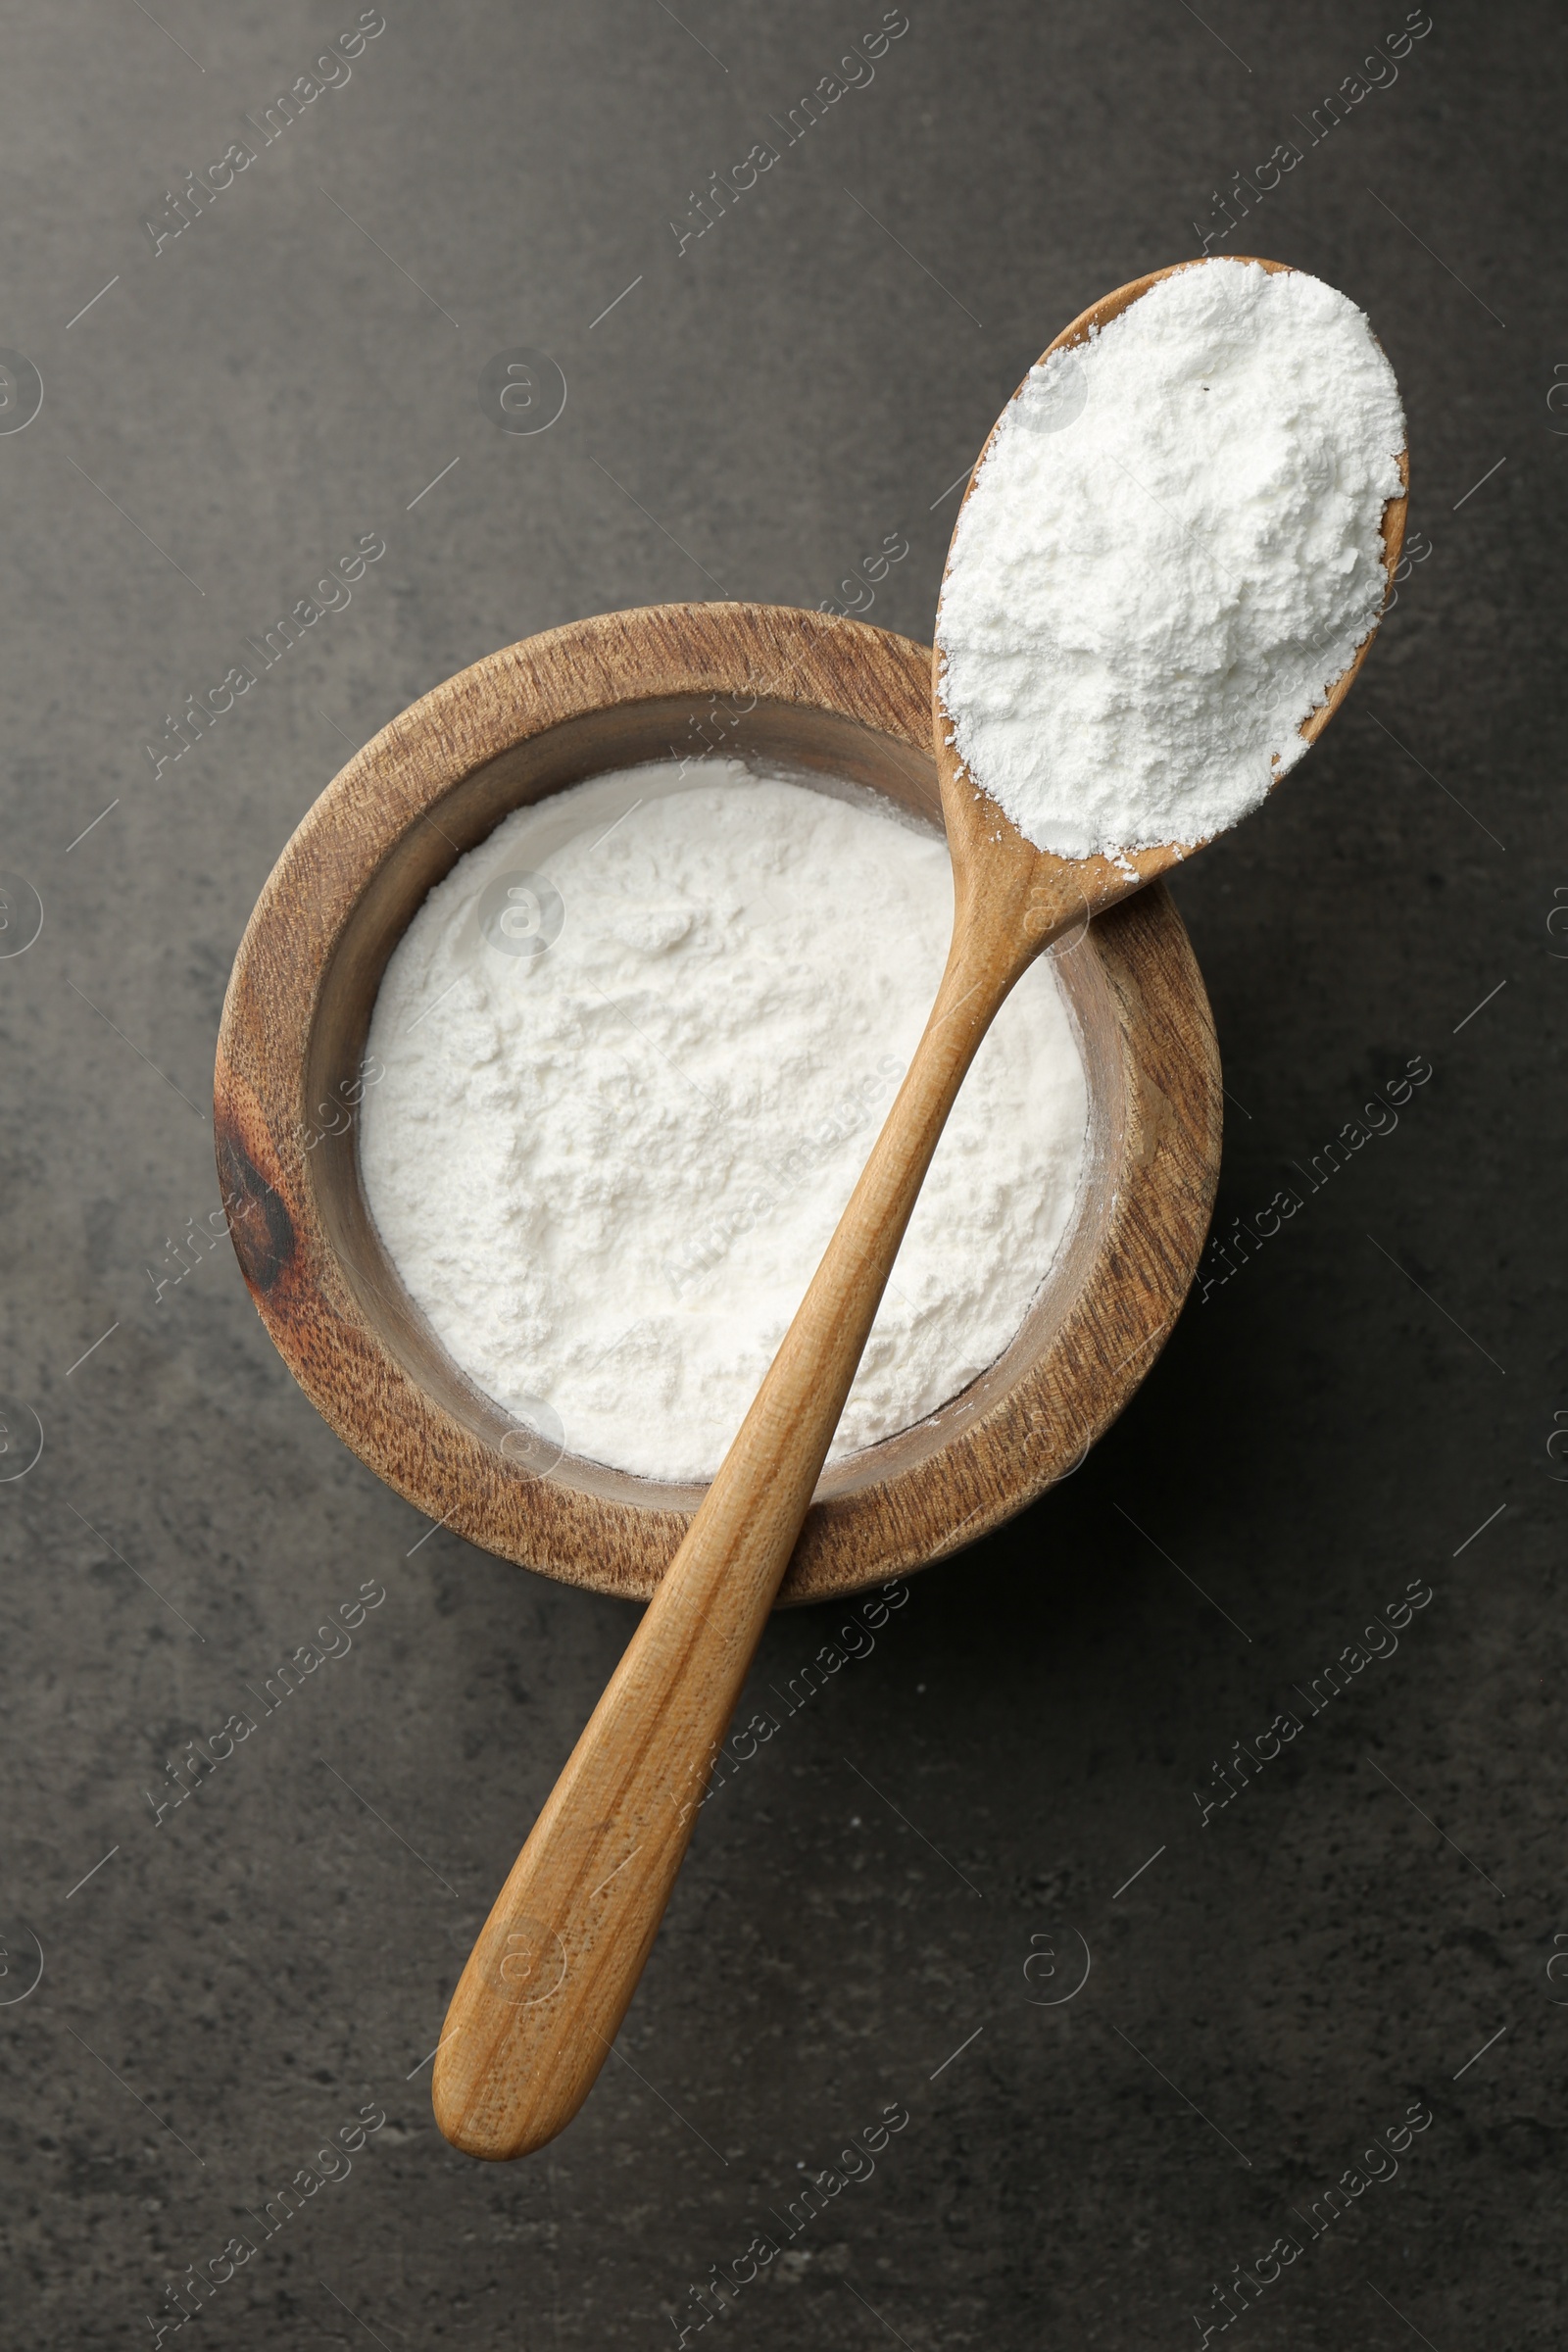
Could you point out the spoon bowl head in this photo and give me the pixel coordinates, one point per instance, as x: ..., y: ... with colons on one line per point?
x: 1052, y: 892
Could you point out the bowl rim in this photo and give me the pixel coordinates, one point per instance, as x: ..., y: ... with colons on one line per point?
x: 329, y: 1322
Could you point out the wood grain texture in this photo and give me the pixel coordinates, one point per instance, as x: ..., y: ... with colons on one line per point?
x: 817, y: 692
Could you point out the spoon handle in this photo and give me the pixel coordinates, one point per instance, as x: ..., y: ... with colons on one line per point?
x: 550, y: 1979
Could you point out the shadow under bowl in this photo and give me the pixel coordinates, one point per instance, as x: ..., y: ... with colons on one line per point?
x: 757, y: 681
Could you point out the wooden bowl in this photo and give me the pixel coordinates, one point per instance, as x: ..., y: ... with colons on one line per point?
x: 817, y: 692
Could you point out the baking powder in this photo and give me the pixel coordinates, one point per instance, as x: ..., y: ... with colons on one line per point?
x: 637, y: 1045
x: 1170, y: 552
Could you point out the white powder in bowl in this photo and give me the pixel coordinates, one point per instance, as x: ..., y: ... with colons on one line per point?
x: 634, y: 1069
x: 1170, y: 552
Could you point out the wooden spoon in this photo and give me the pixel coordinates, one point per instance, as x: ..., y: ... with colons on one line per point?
x: 548, y: 1984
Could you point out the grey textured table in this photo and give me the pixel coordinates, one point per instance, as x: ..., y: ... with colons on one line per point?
x: 890, y: 1906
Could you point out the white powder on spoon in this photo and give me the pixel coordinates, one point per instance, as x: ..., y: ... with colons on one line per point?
x: 605, y: 1170
x: 1170, y: 552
